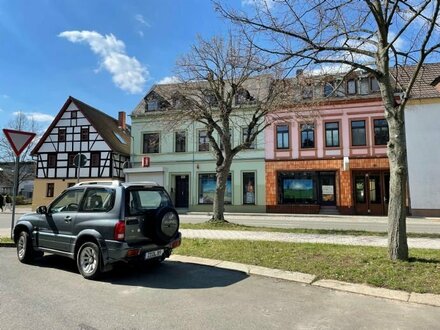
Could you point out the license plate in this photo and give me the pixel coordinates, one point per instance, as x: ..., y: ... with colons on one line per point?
x: 153, y: 254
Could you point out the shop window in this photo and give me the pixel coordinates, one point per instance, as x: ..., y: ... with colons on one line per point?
x: 248, y: 188
x: 50, y: 187
x: 358, y: 133
x: 381, y: 134
x: 151, y: 143
x: 307, y: 136
x: 207, y: 186
x: 297, y: 187
x: 203, y: 140
x: 332, y: 135
x: 180, y: 141
x: 282, y: 136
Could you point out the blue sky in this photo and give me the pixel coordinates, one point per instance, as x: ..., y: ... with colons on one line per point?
x: 106, y: 53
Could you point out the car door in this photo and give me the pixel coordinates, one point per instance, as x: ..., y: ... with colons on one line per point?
x: 56, y: 232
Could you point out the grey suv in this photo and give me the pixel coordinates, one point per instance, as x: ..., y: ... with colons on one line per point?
x: 98, y: 224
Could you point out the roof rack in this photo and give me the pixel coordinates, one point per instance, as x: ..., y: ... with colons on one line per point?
x: 103, y: 183
x: 141, y: 183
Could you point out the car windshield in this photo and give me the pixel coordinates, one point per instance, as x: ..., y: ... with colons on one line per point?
x: 141, y: 200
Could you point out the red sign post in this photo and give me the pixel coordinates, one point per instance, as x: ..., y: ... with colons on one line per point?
x: 18, y: 140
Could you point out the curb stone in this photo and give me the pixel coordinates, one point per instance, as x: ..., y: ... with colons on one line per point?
x: 418, y: 298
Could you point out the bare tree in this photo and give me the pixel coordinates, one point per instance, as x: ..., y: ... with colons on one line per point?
x: 225, y: 85
x: 391, y: 40
x: 19, y: 122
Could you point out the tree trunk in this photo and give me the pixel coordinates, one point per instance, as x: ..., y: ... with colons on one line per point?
x: 218, y: 214
x: 397, y: 240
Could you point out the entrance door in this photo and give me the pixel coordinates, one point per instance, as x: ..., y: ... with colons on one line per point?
x: 182, y: 191
x: 370, y: 192
x: 327, y: 189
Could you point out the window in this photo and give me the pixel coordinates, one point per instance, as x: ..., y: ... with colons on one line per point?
x: 95, y: 159
x: 307, y: 92
x: 248, y: 188
x: 244, y: 136
x: 243, y: 96
x: 282, y: 137
x: 332, y: 135
x: 207, y: 186
x: 381, y: 134
x: 68, y: 202
x: 50, y: 189
x: 358, y: 133
x: 297, y: 187
x: 84, y: 133
x: 364, y: 86
x: 351, y: 87
x: 98, y: 200
x: 71, y: 159
x: 328, y: 89
x: 74, y: 114
x: 151, y: 143
x: 374, y: 85
x: 51, y: 160
x: 203, y: 141
x: 210, y: 98
x: 307, y: 136
x: 152, y: 105
x: 180, y: 141
x: 61, y: 134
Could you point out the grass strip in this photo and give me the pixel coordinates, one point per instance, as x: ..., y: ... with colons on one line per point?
x: 355, y: 264
x: 5, y: 240
x: 233, y: 226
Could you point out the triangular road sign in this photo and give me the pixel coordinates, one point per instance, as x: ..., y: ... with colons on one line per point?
x: 18, y: 140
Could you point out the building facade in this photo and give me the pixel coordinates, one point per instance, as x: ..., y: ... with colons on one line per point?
x: 79, y: 129
x: 334, y: 160
x: 179, y: 157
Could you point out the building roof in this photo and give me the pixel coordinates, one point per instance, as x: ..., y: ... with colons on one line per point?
x: 105, y: 125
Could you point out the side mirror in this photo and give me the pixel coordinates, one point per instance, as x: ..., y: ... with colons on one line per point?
x: 42, y: 210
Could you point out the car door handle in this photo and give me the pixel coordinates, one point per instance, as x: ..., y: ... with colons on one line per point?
x: 67, y: 219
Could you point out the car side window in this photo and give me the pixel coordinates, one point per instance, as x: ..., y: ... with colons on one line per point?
x: 68, y: 202
x: 98, y: 200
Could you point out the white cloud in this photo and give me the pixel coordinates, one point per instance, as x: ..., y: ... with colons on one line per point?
x: 141, y: 33
x: 258, y: 3
x: 1, y: 110
x: 127, y: 72
x: 141, y: 20
x: 4, y: 96
x: 37, y: 116
x: 168, y: 80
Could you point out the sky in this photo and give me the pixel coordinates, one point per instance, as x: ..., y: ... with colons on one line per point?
x: 106, y: 53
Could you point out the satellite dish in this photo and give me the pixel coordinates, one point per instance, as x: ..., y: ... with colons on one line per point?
x: 79, y: 160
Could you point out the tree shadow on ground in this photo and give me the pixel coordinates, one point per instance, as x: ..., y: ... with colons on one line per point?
x: 167, y: 275
x: 423, y: 260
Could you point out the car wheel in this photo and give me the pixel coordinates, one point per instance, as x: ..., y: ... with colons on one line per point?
x: 24, y: 248
x: 88, y: 260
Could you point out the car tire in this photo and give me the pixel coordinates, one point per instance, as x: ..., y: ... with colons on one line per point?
x: 88, y: 260
x: 24, y: 248
x: 166, y: 225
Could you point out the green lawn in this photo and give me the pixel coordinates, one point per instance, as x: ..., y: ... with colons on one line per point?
x: 232, y: 226
x: 327, y: 261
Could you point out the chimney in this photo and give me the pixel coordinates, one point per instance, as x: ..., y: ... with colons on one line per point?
x: 121, y: 120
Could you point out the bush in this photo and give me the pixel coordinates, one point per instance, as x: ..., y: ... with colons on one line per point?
x: 21, y: 200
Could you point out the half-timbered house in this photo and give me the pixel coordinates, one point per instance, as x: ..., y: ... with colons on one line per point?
x: 79, y: 129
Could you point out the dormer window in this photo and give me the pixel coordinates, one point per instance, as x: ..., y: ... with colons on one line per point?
x: 328, y: 89
x: 351, y: 87
x: 374, y: 85
x: 307, y: 92
x: 210, y: 98
x: 364, y: 85
x: 152, y: 105
x: 243, y: 96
